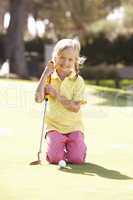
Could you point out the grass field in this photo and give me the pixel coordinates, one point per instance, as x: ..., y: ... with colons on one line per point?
x: 108, y: 172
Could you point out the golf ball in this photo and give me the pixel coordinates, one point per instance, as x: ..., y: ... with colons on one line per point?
x: 62, y: 164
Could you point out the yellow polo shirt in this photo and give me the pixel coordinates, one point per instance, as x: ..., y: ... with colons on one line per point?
x: 57, y: 116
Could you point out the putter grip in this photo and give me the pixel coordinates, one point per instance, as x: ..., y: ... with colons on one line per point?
x: 46, y: 98
x: 48, y: 82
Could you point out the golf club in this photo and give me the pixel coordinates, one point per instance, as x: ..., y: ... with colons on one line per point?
x: 37, y: 162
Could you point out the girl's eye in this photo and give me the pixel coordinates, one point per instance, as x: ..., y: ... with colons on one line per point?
x: 63, y: 58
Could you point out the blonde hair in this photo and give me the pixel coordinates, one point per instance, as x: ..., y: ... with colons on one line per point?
x: 69, y: 43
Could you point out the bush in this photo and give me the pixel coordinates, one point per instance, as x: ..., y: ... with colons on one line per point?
x: 99, y: 72
x: 99, y: 48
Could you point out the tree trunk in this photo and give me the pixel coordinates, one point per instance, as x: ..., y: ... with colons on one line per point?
x: 14, y: 39
x: 117, y: 83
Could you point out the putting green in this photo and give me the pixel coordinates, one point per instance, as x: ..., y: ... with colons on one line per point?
x: 107, y: 173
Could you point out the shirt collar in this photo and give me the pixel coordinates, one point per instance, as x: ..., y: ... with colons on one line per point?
x: 71, y: 76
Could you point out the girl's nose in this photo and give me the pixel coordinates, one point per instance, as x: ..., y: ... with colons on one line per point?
x: 65, y: 62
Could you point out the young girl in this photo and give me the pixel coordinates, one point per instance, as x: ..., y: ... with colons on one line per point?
x: 65, y: 90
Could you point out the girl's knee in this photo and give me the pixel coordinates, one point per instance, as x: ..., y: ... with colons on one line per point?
x: 55, y: 154
x: 53, y: 158
x: 77, y: 160
x: 78, y: 156
x: 55, y: 147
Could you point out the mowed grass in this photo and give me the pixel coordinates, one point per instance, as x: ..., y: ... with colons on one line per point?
x: 107, y: 173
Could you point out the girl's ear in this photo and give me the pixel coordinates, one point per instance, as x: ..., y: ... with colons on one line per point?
x: 51, y: 61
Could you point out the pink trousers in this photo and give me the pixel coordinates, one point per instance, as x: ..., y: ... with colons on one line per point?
x: 69, y: 147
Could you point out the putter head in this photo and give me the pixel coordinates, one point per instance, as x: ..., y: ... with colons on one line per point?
x: 37, y: 162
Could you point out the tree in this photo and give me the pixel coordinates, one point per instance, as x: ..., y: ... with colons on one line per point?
x: 14, y: 38
x: 72, y: 17
x: 69, y: 17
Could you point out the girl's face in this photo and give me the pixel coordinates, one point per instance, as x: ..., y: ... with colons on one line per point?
x: 65, y: 60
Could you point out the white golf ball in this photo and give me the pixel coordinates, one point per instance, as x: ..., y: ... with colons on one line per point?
x: 62, y: 164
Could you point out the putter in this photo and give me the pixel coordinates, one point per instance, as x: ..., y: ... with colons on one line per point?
x: 39, y: 161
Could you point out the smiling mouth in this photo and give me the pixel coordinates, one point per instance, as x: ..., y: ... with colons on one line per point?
x: 62, y: 66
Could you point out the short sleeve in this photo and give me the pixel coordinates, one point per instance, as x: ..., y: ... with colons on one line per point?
x: 79, y: 90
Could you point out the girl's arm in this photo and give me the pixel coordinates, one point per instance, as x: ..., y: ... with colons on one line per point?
x: 45, y: 79
x: 71, y: 105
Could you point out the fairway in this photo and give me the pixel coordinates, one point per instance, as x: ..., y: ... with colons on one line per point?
x: 108, y: 172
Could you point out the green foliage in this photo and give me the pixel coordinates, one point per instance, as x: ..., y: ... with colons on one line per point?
x: 109, y: 84
x: 34, y: 45
x: 98, y: 49
x: 99, y: 72
x: 126, y: 83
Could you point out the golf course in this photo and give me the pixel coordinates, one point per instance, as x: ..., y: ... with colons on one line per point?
x: 108, y: 171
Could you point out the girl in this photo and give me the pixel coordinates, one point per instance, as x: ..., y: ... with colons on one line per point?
x: 65, y: 139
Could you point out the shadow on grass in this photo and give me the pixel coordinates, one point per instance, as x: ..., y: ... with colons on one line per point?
x: 116, y: 98
x: 93, y: 169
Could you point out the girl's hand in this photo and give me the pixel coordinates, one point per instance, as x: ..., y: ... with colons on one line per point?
x: 44, y: 80
x: 51, y: 91
x: 49, y: 68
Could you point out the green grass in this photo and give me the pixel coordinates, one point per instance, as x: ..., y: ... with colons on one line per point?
x: 107, y: 173
x: 112, y: 96
x: 124, y: 84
